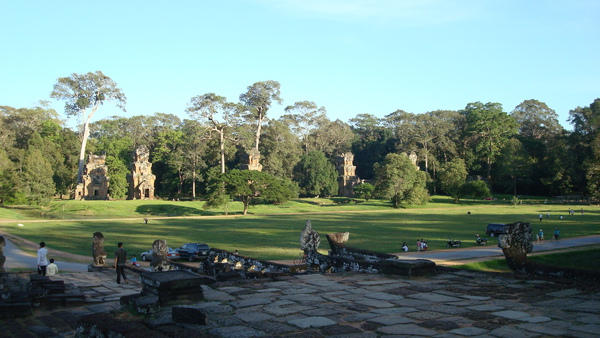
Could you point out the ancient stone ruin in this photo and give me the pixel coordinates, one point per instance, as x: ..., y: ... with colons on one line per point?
x: 141, y: 180
x: 344, y: 258
x: 160, y: 262
x: 253, y: 161
x: 98, y: 252
x: 347, y: 171
x: 94, y: 185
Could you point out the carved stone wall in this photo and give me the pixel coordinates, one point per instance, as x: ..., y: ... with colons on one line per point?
x: 141, y: 179
x: 95, y: 181
x: 347, y: 171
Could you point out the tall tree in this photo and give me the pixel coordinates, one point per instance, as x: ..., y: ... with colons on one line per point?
x: 217, y: 113
x: 282, y: 149
x: 37, y: 177
x: 372, y: 141
x: 304, y: 118
x: 488, y: 128
x: 194, y: 148
x: 453, y: 177
x: 397, y: 179
x: 257, y: 100
x: 586, y: 140
x: 84, y: 94
x: 316, y: 176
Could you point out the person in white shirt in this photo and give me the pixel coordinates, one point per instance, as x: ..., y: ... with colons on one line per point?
x: 42, y: 263
x: 52, y: 269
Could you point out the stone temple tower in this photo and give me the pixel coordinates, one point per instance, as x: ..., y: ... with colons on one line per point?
x: 95, y: 181
x: 141, y: 179
x: 347, y: 171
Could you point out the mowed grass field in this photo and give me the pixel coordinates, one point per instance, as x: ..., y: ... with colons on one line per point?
x: 273, y: 232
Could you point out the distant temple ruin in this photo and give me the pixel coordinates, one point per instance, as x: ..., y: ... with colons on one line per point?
x: 347, y: 170
x: 141, y: 180
x: 94, y: 185
x: 253, y: 161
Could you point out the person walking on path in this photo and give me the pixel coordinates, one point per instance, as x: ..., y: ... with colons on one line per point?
x: 556, y: 234
x: 52, y: 268
x: 42, y: 262
x: 541, y: 236
x: 120, y: 261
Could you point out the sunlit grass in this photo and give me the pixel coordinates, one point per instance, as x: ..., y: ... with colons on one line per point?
x: 273, y: 232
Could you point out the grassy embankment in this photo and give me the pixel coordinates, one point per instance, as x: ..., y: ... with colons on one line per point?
x: 272, y: 232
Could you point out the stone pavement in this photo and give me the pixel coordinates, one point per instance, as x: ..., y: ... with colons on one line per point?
x: 451, y: 303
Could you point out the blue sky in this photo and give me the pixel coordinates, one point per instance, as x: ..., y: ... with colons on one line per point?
x: 349, y: 56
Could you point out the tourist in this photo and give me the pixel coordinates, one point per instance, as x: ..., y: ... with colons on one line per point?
x: 423, y: 245
x: 134, y: 261
x: 581, y: 211
x: 541, y: 217
x: 42, y: 262
x: 548, y: 214
x: 418, y: 245
x: 404, y: 247
x: 556, y: 234
x: 120, y: 261
x: 52, y: 269
x: 540, y: 236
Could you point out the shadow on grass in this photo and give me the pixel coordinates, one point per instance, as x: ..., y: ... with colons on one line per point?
x: 173, y: 210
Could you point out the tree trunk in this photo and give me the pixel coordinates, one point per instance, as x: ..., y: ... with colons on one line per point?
x: 84, y: 138
x: 194, y: 183
x: 222, y: 142
x: 258, y: 129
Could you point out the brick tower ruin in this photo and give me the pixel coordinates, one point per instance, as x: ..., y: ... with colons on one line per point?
x: 347, y: 171
x: 95, y: 181
x: 141, y: 179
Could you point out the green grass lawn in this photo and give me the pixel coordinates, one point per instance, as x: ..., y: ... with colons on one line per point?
x: 273, y: 232
x: 587, y: 259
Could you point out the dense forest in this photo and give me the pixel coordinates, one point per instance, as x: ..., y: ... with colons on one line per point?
x: 524, y: 151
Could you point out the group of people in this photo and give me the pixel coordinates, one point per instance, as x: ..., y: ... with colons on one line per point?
x: 540, y: 235
x: 47, y: 267
x: 421, y: 246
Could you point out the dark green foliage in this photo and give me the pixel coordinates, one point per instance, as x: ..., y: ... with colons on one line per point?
x: 364, y: 190
x: 250, y: 187
x: 397, y: 179
x: 316, y: 175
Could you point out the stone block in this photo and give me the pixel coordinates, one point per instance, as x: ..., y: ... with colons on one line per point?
x: 189, y: 315
x: 147, y: 304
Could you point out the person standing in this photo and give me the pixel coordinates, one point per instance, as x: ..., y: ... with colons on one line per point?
x: 120, y: 261
x: 541, y: 236
x: 52, y: 268
x: 556, y: 234
x: 42, y: 262
x: 541, y: 217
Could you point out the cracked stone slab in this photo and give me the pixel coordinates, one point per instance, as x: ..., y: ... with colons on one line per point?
x: 391, y: 320
x: 375, y: 303
x: 486, y: 308
x: 312, y: 322
x: 253, y: 316
x: 510, y: 314
x: 384, y: 296
x: 250, y: 302
x: 407, y: 330
x: 564, y: 293
x: 468, y: 331
x: 434, y: 297
x: 283, y: 311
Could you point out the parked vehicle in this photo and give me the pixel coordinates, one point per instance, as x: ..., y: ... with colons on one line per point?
x: 495, y: 229
x: 171, y: 254
x: 453, y: 244
x: 193, y: 251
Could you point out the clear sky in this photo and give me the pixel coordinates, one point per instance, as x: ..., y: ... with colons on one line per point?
x: 349, y: 56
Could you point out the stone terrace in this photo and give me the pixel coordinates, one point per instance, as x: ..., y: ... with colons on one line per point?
x: 452, y: 303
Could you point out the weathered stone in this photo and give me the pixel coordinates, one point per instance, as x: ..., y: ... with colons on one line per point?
x: 98, y: 252
x: 347, y: 174
x: 189, y: 315
x: 94, y: 184
x: 147, y: 304
x: 159, y: 256
x: 141, y: 180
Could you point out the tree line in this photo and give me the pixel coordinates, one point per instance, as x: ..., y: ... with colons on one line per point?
x: 478, y: 149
